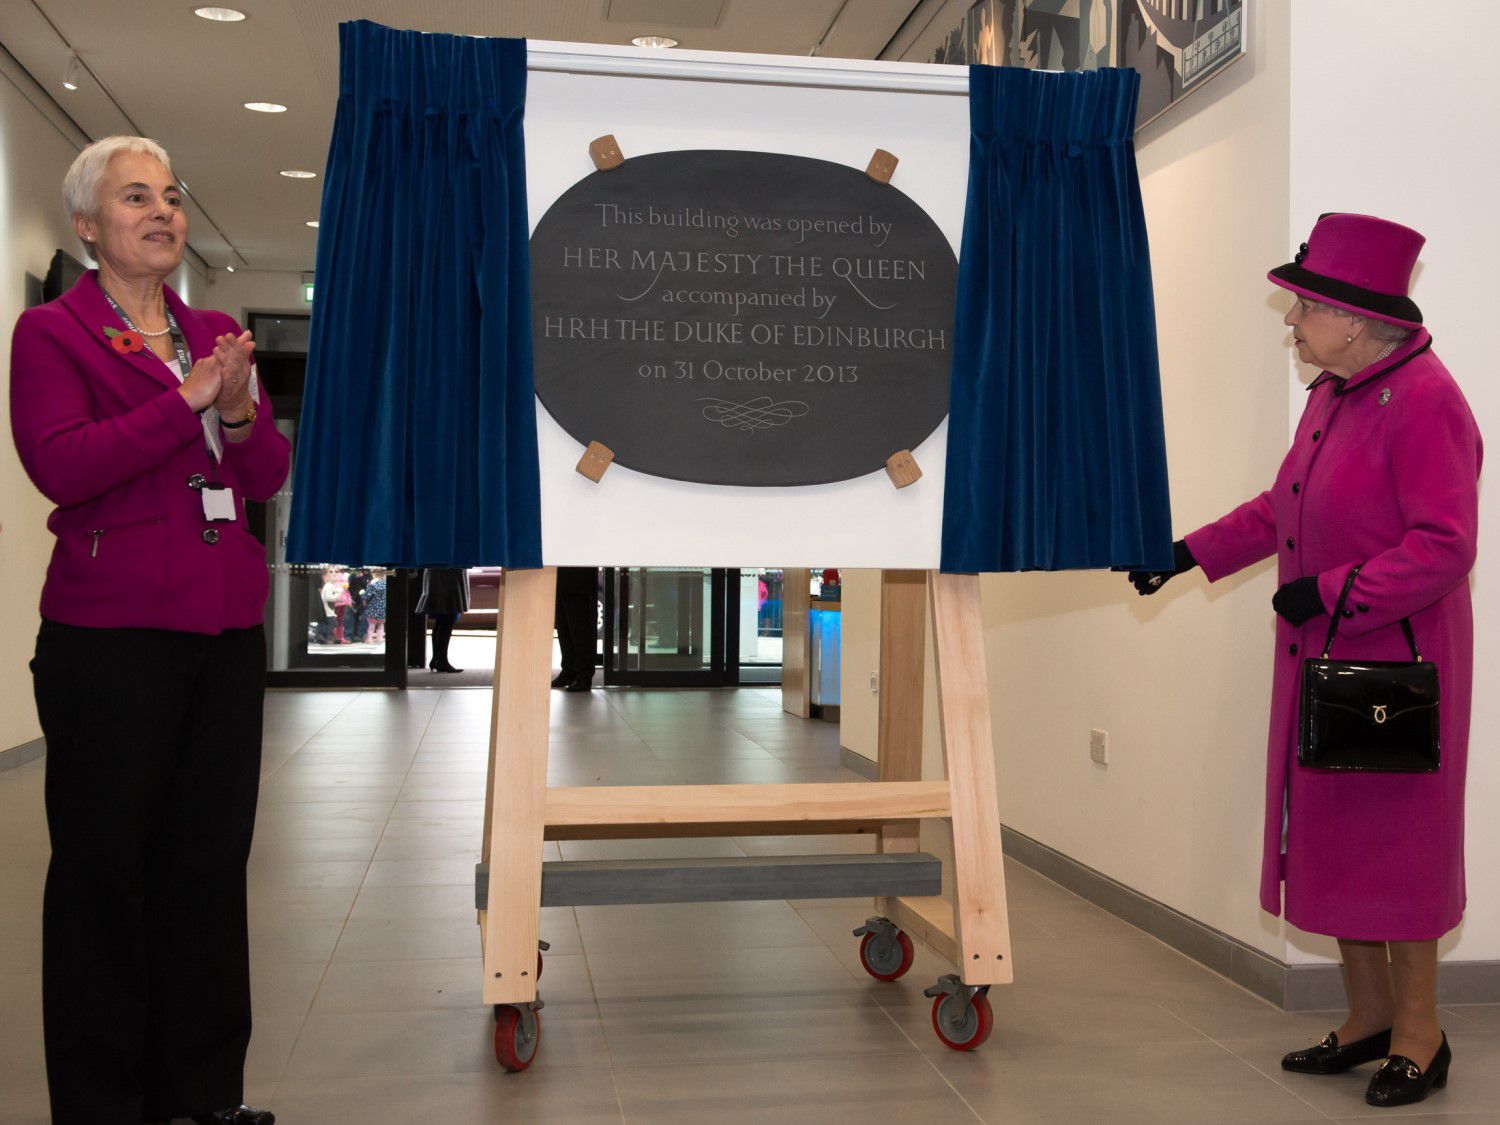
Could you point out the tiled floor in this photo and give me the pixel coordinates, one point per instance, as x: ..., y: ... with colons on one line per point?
x: 366, y: 967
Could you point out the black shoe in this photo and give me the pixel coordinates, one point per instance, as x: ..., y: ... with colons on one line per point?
x: 582, y: 683
x: 443, y: 667
x: 562, y: 679
x: 1328, y: 1057
x: 1401, y: 1081
x: 239, y: 1115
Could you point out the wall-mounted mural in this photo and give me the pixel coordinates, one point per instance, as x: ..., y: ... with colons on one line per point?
x: 1177, y: 45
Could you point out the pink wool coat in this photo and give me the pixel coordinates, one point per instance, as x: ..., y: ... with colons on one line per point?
x: 1384, y: 471
x: 108, y: 439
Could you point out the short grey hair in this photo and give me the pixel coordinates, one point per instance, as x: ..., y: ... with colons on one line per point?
x: 81, y: 184
x: 1382, y: 330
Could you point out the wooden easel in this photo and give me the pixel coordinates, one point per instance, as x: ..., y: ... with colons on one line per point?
x: 522, y: 811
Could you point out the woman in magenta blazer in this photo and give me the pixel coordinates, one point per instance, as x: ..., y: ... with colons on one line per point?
x: 1383, y: 474
x: 140, y: 418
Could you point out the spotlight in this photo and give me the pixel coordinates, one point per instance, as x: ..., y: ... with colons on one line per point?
x: 71, y: 72
x: 298, y: 174
x: 219, y: 15
x: 313, y: 223
x: 266, y: 107
x: 654, y: 41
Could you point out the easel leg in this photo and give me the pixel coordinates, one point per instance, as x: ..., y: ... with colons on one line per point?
x: 518, y: 785
x: 983, y: 927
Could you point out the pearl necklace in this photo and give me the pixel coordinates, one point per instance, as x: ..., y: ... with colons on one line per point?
x: 141, y: 332
x: 1385, y: 351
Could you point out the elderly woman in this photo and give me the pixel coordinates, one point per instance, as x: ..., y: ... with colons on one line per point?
x: 1382, y: 476
x: 140, y: 419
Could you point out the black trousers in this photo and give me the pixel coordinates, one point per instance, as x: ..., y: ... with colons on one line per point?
x: 576, y: 619
x: 153, y: 767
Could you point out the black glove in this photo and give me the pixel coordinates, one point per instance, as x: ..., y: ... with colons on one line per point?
x: 1299, y: 601
x: 1150, y: 581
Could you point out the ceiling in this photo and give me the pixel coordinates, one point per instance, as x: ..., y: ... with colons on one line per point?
x: 151, y: 67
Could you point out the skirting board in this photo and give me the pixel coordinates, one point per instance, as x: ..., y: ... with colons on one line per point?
x: 865, y: 767
x: 1293, y: 988
x: 20, y: 755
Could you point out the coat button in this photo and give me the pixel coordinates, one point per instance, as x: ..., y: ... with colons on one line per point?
x: 1294, y: 650
x: 1317, y: 434
x: 1296, y: 487
x: 1348, y: 613
x: 1291, y: 544
x: 210, y: 536
x: 1361, y: 607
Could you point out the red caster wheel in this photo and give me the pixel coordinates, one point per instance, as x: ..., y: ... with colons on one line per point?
x: 518, y: 1031
x: 961, y: 1014
x: 886, y: 956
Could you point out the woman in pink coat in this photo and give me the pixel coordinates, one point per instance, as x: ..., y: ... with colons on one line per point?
x: 140, y: 419
x: 1382, y: 475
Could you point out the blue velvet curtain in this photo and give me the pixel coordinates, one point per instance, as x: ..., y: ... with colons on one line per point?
x: 418, y: 439
x: 1056, y: 455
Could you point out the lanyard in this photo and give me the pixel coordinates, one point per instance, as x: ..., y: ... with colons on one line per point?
x: 184, y: 362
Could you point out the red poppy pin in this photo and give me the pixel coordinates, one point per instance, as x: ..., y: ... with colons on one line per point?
x: 125, y: 342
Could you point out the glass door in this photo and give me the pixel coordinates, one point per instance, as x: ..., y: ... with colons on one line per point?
x: 691, y: 627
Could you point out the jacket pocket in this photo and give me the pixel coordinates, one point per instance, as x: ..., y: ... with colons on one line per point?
x: 118, y: 536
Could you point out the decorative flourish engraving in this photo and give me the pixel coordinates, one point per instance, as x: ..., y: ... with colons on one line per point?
x: 757, y: 414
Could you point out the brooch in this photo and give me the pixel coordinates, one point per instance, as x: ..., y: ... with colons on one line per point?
x: 1385, y: 395
x: 125, y: 342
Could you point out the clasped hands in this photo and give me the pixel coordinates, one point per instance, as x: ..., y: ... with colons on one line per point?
x: 222, y: 379
x: 1298, y: 601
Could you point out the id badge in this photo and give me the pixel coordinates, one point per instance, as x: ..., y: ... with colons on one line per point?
x: 218, y: 503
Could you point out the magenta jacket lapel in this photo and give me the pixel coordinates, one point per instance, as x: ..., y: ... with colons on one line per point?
x: 87, y: 304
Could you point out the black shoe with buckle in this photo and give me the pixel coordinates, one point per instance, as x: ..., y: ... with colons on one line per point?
x: 1401, y: 1081
x: 1331, y: 1057
x: 238, y: 1115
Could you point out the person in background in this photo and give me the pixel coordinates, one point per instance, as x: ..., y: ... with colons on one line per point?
x: 445, y: 597
x: 375, y: 595
x: 1377, y: 502
x: 576, y: 618
x: 141, y: 420
x: 354, y: 616
x: 328, y: 594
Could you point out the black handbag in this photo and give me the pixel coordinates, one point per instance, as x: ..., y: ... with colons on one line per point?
x: 1377, y: 716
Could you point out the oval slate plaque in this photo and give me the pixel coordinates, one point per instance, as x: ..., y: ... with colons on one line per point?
x: 742, y: 318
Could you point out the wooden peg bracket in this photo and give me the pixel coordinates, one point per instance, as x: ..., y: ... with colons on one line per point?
x: 882, y: 166
x: 595, y: 460
x: 606, y: 152
x: 902, y: 468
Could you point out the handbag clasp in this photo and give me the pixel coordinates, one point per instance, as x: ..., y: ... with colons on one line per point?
x: 1380, y: 712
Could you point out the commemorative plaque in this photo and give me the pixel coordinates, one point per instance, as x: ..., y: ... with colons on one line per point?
x: 742, y: 318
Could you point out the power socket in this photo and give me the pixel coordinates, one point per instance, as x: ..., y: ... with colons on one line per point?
x: 1099, y: 746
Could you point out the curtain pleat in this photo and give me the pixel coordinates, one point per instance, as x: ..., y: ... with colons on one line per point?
x: 418, y: 436
x: 1056, y: 452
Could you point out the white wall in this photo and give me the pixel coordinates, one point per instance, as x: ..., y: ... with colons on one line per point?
x: 261, y: 290
x: 1398, y: 120
x: 34, y: 155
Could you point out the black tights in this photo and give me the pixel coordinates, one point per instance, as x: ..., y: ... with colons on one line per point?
x: 442, y: 633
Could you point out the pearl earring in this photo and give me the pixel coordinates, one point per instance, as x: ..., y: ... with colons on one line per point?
x: 1349, y: 339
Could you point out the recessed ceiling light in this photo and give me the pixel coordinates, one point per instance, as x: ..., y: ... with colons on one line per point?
x: 219, y: 15
x: 266, y: 107
x: 654, y: 41
x: 313, y: 223
x: 71, y: 70
x: 297, y: 174
x: 229, y: 268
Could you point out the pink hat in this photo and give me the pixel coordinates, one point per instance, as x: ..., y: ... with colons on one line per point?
x: 1359, y: 263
